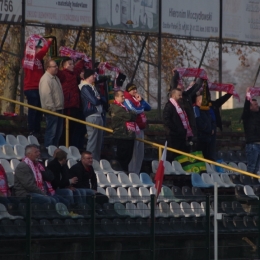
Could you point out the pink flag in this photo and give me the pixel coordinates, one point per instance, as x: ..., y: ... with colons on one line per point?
x: 160, y: 172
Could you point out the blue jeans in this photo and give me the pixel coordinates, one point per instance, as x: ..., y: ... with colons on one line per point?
x: 84, y: 193
x: 74, y: 197
x: 41, y: 199
x: 253, y: 157
x: 54, y: 125
x: 34, y: 116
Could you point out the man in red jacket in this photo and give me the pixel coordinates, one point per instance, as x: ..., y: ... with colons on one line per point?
x: 36, y: 49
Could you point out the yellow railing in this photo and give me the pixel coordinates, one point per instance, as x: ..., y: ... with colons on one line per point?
x: 160, y: 147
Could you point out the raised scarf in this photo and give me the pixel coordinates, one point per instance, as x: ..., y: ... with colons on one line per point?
x: 183, y: 116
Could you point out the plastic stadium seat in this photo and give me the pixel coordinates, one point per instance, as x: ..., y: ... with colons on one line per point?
x: 196, y: 209
x: 178, y: 170
x: 59, y: 228
x: 232, y: 156
x: 124, y: 180
x: 146, y: 180
x: 240, y: 194
x: 119, y: 227
x: 168, y: 169
x: 4, y: 213
x: 249, y: 192
x: 207, y: 179
x: 123, y: 195
x: 134, y: 179
x: 14, y: 163
x: 112, y: 195
x: 167, y: 194
x: 134, y: 195
x: 228, y: 224
x: 177, y: 193
x: 238, y: 209
x: 20, y: 227
x: 242, y: 166
x: 209, y: 169
x: 165, y: 209
x: 143, y: 209
x: 75, y: 152
x: 198, y: 194
x: 97, y: 168
x: 102, y: 180
x: 155, y: 164
x: 176, y: 210
x: 47, y: 228
x: 226, y: 179
x: 10, y: 179
x: 203, y: 208
x: 19, y: 151
x: 120, y: 209
x: 115, y: 165
x: 143, y: 226
x: 131, y: 227
x: 8, y: 229
x: 101, y: 190
x: 33, y: 140
x: 113, y: 180
x: 248, y: 222
x: 69, y: 155
x: 215, y: 178
x: 187, y: 193
x: 6, y: 165
x: 223, y: 155
x: 9, y: 152
x: 132, y: 211
x: 246, y: 180
x: 2, y: 140
x: 197, y: 181
x: 11, y: 139
x: 186, y: 209
x: 241, y: 156
x: 227, y: 208
x: 235, y: 179
x: 72, y: 227
x: 105, y: 166
x: 51, y: 149
x: 144, y: 194
x: 157, y: 212
x: 71, y: 162
x: 153, y: 191
x: 233, y: 165
x: 22, y: 140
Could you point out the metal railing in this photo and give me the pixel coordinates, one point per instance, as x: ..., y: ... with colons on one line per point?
x: 158, y: 146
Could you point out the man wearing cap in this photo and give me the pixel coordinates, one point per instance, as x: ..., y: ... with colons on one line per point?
x: 92, y: 109
x: 52, y: 99
x: 134, y: 101
x: 33, y: 71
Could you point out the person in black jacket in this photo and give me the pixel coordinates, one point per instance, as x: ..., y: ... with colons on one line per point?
x: 251, y: 123
x: 176, y: 124
x: 84, y: 172
x: 61, y: 182
x: 187, y: 97
x: 215, y: 107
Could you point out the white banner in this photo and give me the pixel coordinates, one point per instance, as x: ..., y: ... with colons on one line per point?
x: 11, y: 11
x: 241, y: 20
x: 74, y: 13
x: 195, y: 18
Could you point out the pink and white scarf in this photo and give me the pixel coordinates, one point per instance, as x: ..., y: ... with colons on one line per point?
x: 253, y: 91
x: 30, y: 52
x: 65, y: 51
x: 183, y: 116
x: 37, y: 168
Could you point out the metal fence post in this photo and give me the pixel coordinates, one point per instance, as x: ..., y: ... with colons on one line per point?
x: 28, y: 228
x: 92, y: 230
x: 207, y: 251
x: 152, y: 228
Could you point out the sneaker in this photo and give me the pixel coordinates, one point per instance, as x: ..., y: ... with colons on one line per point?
x: 75, y: 215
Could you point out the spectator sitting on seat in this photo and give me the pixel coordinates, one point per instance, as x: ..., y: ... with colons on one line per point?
x: 29, y: 180
x: 61, y: 182
x: 5, y: 192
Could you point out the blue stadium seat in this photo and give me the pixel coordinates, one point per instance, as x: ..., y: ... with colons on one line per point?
x: 196, y: 181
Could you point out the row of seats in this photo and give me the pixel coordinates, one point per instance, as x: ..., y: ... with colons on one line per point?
x: 20, y: 139
x: 232, y: 156
x: 72, y: 151
x: 125, y: 227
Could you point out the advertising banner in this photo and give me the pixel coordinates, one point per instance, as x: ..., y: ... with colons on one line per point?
x: 11, y: 11
x: 74, y: 13
x: 241, y: 20
x: 132, y: 15
x: 192, y: 18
